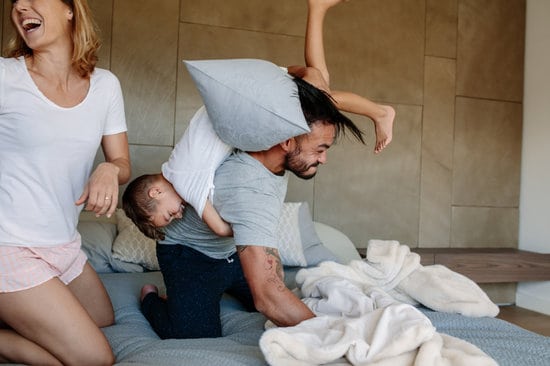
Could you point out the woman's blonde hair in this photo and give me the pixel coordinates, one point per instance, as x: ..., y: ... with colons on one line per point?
x: 84, y: 35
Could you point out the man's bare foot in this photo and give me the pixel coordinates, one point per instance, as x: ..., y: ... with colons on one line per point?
x: 383, y: 126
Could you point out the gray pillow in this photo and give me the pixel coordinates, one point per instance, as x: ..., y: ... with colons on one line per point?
x: 298, y: 242
x: 97, y: 243
x: 97, y: 239
x: 314, y: 250
x: 253, y: 104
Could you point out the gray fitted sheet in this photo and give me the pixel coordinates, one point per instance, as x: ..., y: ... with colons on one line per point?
x: 135, y: 343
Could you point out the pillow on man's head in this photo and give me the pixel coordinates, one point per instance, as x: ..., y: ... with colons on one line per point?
x: 253, y: 104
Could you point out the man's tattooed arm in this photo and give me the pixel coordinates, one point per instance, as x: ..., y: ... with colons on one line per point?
x: 272, y: 264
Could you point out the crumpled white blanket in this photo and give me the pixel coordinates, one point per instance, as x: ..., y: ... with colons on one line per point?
x: 396, y: 335
x: 392, y: 268
x: 362, y: 321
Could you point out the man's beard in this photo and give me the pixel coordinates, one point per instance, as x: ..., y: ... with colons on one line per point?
x: 298, y: 166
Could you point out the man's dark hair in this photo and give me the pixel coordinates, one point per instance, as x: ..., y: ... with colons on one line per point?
x: 138, y: 206
x: 318, y: 106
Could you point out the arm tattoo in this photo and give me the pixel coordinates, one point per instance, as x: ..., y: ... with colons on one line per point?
x: 273, y: 262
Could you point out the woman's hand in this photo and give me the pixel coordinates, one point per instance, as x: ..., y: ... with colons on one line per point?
x: 101, y: 192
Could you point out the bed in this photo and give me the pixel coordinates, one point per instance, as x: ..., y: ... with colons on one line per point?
x: 135, y: 343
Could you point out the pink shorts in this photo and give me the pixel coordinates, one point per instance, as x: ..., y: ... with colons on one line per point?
x: 22, y: 268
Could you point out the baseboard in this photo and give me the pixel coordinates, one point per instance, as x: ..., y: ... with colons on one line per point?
x: 528, y: 297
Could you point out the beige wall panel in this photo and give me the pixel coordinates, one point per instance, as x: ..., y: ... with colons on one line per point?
x: 281, y: 16
x: 103, y: 15
x: 435, y: 204
x: 500, y: 293
x: 2, y: 25
x: 490, y: 49
x: 376, y: 49
x: 441, y: 23
x: 437, y: 152
x: 371, y: 196
x: 144, y: 57
x: 148, y: 159
x: 7, y: 28
x: 207, y: 42
x: 484, y: 227
x: 487, y: 153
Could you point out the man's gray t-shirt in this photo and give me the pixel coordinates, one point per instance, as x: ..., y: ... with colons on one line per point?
x: 246, y: 195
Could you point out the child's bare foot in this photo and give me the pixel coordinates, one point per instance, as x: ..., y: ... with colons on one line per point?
x: 383, y: 126
x: 146, y: 290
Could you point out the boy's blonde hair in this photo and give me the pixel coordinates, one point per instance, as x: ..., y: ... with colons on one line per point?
x: 84, y: 35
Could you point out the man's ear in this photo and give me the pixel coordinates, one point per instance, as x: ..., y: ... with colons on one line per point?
x: 288, y: 145
x: 153, y: 192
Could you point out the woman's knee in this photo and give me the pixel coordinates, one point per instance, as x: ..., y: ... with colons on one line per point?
x: 106, y: 319
x: 102, y: 356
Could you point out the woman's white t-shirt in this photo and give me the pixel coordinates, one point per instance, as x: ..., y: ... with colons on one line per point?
x: 47, y: 153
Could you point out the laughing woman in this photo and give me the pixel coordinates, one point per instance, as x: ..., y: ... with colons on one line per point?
x: 56, y: 109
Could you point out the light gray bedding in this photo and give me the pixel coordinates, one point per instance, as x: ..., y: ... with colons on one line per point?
x: 135, y: 343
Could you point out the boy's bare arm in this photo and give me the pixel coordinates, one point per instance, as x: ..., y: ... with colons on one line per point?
x: 214, y: 221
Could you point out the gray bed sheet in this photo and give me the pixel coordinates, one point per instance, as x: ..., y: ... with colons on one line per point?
x: 135, y: 343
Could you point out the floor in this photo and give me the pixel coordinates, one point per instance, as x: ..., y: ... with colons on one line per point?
x: 530, y: 320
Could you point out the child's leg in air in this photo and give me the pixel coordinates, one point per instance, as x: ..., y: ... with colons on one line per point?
x: 382, y: 115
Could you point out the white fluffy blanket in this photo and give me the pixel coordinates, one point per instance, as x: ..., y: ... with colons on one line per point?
x: 362, y: 318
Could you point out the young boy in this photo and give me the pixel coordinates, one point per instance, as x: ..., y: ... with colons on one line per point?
x: 153, y: 201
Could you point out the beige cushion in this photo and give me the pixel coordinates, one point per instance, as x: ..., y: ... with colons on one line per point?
x: 132, y: 246
x: 299, y: 244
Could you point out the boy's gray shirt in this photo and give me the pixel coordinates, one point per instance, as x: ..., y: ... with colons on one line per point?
x: 248, y: 196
